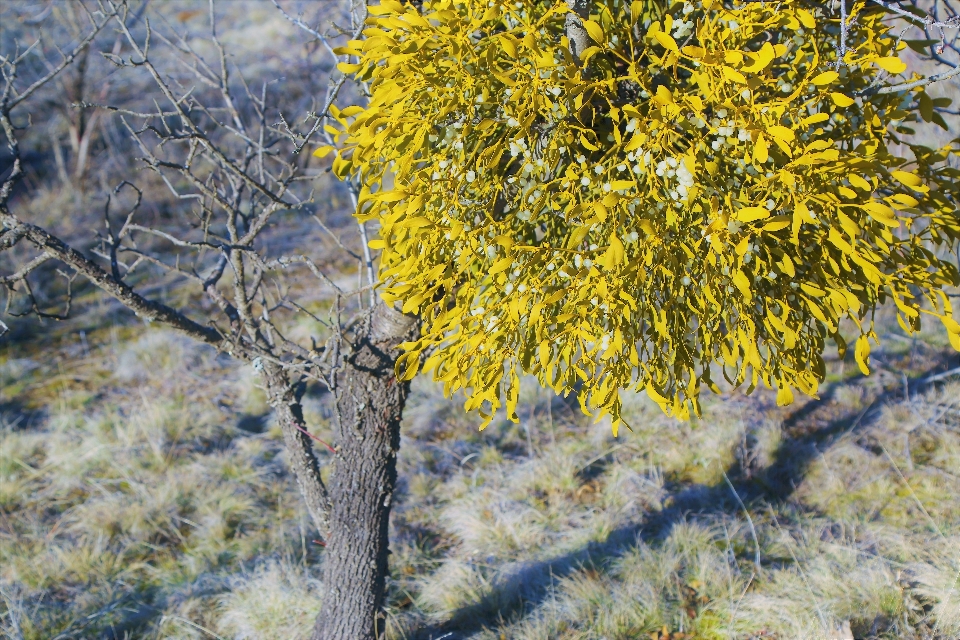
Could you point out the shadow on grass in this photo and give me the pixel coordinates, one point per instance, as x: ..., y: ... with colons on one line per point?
x: 16, y: 417
x: 530, y: 584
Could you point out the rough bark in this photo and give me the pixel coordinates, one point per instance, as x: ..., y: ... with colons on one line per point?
x: 370, y: 405
x: 579, y: 39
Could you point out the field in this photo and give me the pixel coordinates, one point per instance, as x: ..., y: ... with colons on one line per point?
x: 145, y: 493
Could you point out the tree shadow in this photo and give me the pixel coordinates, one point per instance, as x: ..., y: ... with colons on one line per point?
x: 530, y: 584
x: 14, y: 416
x: 254, y: 423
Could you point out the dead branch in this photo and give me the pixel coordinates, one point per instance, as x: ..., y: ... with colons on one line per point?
x: 231, y: 172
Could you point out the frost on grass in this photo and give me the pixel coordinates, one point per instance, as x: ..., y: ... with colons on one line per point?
x: 583, y: 537
x: 138, y: 497
x: 278, y: 600
x: 138, y: 504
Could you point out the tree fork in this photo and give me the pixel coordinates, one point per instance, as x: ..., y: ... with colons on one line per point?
x: 370, y: 403
x: 303, y: 461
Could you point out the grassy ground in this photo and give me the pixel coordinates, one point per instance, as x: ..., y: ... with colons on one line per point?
x: 145, y: 494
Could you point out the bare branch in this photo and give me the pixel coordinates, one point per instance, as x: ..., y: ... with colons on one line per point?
x: 10, y: 237
x: 146, y: 309
x: 922, y: 82
x: 25, y: 270
x: 927, y: 20
x: 11, y: 98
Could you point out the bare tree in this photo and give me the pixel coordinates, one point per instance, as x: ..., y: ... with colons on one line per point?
x: 233, y: 156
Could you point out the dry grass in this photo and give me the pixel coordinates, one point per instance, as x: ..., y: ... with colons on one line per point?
x: 144, y: 494
x: 140, y: 499
x: 862, y: 536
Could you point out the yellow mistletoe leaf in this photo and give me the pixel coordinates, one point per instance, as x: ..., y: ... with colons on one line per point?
x: 776, y: 224
x: 862, y: 354
x: 595, y: 31
x: 321, y: 152
x: 763, y: 58
x: 881, y: 213
x: 543, y: 353
x: 891, y: 64
x: 664, y: 96
x: 656, y: 397
x: 731, y: 74
x: 501, y: 265
x: 386, y: 7
x: 954, y: 339
x: 859, y: 182
x: 407, y: 366
x: 909, y: 179
x: 953, y: 331
x: 815, y: 118
x: 733, y: 57
x: 781, y: 133
x: 635, y: 143
x: 588, y: 53
x: 787, y: 265
x: 601, y: 210
x: 614, y: 253
x: 509, y: 46
x: 742, y: 283
x: 760, y: 150
x: 749, y: 214
x: 847, y: 193
x: 347, y: 68
x: 841, y: 100
x: 666, y: 41
x: 586, y: 143
x: 784, y: 396
x: 806, y: 19
x: 952, y: 325
x: 903, y: 200
x: 812, y: 290
x: 825, y: 78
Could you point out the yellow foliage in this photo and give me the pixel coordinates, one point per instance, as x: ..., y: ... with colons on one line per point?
x: 707, y: 190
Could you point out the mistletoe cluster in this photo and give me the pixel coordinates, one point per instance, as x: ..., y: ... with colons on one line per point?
x: 703, y: 189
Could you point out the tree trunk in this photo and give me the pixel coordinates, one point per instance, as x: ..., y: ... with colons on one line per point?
x: 370, y: 403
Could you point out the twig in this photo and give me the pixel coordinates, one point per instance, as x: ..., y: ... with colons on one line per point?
x: 931, y: 521
x: 803, y: 574
x: 329, y: 448
x: 753, y: 530
x: 906, y: 86
x: 940, y: 376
